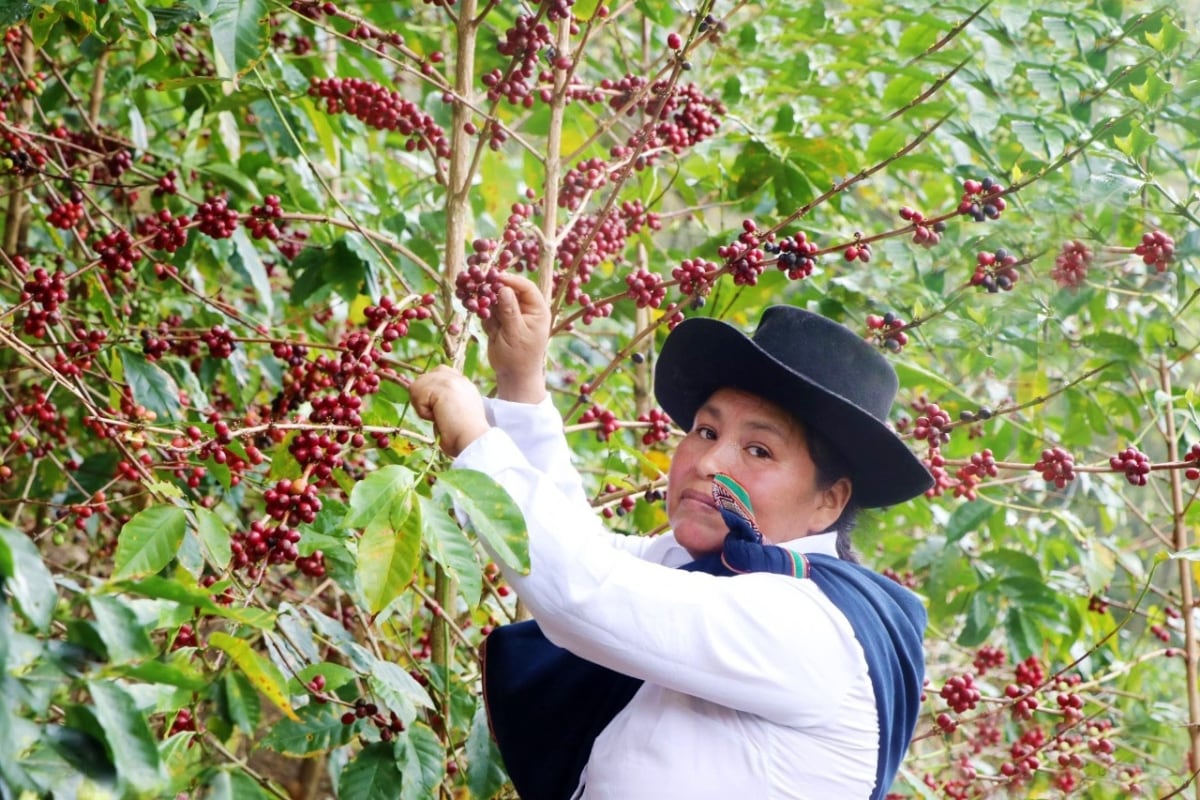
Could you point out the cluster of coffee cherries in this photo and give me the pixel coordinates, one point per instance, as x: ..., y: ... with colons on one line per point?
x: 680, y: 117
x: 859, y: 251
x: 988, y: 658
x: 48, y: 291
x: 745, y: 257
x: 660, y: 426
x: 164, y: 231
x: 184, y: 722
x: 695, y: 276
x: 621, y: 507
x: 215, y: 218
x: 1193, y: 455
x: 388, y: 726
x: 933, y: 425
x: 581, y: 181
x: 925, y: 233
x: 646, y: 288
x: 795, y: 255
x: 1156, y: 249
x: 265, y: 221
x: 383, y: 109
x: 476, y: 286
x: 995, y: 272
x: 1134, y: 463
x: 605, y: 421
x: 66, y: 215
x: 982, y: 200
x: 522, y: 43
x: 982, y: 465
x: 185, y: 637
x: 1056, y: 466
x: 392, y: 321
x: 961, y: 693
x: 220, y: 341
x: 887, y: 331
x: 1071, y: 264
x: 117, y: 252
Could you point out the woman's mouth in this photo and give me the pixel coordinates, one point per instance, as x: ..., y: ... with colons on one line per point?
x: 703, y: 498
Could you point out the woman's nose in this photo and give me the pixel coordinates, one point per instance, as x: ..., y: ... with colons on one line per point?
x: 715, y: 459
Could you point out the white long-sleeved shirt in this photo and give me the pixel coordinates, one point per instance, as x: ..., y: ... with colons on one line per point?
x: 755, y: 686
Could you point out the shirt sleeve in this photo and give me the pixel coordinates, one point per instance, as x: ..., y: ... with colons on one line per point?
x: 536, y: 429
x: 767, y: 644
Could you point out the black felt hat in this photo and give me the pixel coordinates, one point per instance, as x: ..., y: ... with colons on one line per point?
x: 824, y: 374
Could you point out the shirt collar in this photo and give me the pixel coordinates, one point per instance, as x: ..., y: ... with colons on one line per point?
x: 821, y: 543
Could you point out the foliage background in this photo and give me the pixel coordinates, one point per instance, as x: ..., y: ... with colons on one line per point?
x: 165, y: 393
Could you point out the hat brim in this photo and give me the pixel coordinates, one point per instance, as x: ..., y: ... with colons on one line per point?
x: 702, y: 355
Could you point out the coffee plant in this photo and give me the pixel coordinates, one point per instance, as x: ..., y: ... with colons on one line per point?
x: 234, y: 229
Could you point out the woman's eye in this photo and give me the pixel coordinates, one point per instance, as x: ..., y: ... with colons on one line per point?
x: 706, y: 433
x: 759, y: 452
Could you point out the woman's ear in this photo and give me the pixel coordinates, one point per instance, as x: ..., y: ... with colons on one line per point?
x: 831, y: 501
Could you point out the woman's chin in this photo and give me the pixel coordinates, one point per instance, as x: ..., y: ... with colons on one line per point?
x: 699, y: 540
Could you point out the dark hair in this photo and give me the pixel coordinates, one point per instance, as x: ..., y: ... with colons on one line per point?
x: 831, y: 468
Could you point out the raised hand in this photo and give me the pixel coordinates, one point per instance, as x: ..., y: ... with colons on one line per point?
x: 445, y: 397
x: 518, y: 331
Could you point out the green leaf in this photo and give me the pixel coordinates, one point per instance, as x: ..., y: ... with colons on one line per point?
x: 885, y: 143
x: 492, y: 514
x: 179, y: 673
x: 318, y: 729
x: 388, y: 553
x: 398, y: 691
x: 232, y: 783
x: 264, y: 675
x: 214, y: 536
x: 241, y: 701
x: 150, y: 385
x: 1024, y: 638
x: 422, y: 760
x: 31, y: 584
x: 1187, y: 554
x: 130, y: 739
x: 373, y: 499
x: 966, y: 518
x: 373, y: 775
x: 485, y: 767
x: 149, y: 541
x: 192, y: 595
x: 449, y: 547
x: 981, y: 618
x: 122, y: 633
x: 1112, y: 345
x: 238, y: 36
x: 12, y: 13
x: 246, y: 262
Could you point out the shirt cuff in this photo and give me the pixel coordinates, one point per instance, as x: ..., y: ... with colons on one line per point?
x: 494, y: 449
x: 507, y: 414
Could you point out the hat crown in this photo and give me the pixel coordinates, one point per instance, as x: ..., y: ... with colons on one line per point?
x: 829, y: 355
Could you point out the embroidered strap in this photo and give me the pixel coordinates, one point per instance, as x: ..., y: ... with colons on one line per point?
x: 744, y: 550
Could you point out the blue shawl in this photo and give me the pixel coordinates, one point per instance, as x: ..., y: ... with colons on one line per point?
x: 546, y: 706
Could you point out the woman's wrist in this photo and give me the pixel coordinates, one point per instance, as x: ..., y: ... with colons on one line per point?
x: 521, y: 388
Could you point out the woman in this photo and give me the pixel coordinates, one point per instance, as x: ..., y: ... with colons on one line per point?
x: 767, y: 667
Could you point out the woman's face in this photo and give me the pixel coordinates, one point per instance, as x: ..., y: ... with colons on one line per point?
x: 763, y: 448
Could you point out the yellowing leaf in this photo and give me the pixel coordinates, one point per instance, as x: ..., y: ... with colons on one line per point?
x: 263, y: 675
x: 356, y: 315
x: 388, y: 554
